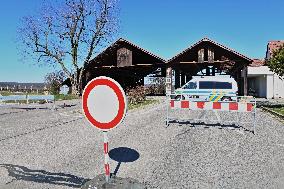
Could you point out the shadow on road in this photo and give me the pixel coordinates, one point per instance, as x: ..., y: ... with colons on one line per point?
x: 123, y: 155
x: 41, y: 176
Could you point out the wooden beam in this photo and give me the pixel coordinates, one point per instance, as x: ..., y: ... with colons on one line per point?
x: 177, y: 78
x: 245, y: 72
x: 201, y: 55
x: 107, y: 67
x: 143, y: 65
x: 216, y: 61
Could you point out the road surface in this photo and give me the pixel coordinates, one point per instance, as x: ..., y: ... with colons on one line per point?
x: 60, y: 150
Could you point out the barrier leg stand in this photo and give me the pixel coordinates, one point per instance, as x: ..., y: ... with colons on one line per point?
x: 168, y: 101
x: 202, y: 116
x: 254, y: 116
x: 218, y: 116
x: 107, y: 169
x: 54, y: 107
x: 238, y: 119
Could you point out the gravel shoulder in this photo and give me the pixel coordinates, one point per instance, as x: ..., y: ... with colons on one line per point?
x: 59, y: 149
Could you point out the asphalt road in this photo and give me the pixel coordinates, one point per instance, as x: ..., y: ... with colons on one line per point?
x: 59, y: 149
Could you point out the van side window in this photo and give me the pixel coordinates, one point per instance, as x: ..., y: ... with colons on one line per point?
x: 223, y: 85
x: 206, y: 85
x: 214, y: 85
x: 190, y: 85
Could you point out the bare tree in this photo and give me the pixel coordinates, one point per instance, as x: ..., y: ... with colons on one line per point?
x: 69, y: 33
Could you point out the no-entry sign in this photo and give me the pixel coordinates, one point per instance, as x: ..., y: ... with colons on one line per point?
x: 104, y: 103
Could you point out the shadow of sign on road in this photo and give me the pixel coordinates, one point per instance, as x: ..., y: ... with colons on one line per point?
x: 123, y: 155
x: 41, y: 176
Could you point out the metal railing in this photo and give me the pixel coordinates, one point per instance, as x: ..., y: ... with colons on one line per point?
x: 235, y: 105
x: 27, y: 100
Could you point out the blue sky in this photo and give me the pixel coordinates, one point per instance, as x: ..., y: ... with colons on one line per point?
x: 164, y: 27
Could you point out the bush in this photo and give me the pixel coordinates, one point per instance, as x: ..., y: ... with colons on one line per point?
x: 157, y: 86
x: 136, y: 95
x: 54, y: 80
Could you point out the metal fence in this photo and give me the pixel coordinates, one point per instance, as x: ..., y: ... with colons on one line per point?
x: 29, y: 100
x: 239, y: 110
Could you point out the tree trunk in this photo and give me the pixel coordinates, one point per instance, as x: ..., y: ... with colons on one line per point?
x: 74, y: 90
x: 80, y: 80
x: 74, y: 85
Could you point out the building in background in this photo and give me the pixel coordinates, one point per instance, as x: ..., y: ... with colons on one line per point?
x: 15, y: 86
x: 261, y: 81
x: 130, y: 64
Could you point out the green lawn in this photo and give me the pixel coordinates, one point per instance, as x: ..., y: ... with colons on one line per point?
x: 279, y: 110
x: 65, y: 97
x: 141, y: 104
x: 57, y: 97
x: 70, y: 97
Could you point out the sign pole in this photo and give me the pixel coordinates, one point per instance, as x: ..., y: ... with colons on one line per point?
x: 107, y: 169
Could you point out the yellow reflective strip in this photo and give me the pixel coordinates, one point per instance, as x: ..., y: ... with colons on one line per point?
x: 214, y: 98
x: 211, y: 97
x: 218, y: 98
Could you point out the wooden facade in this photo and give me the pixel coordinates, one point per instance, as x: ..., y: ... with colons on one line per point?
x: 125, y: 62
x: 207, y: 58
x: 129, y: 64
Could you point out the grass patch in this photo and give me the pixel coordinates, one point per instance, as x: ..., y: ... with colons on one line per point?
x: 24, y: 101
x: 141, y: 104
x: 65, y: 97
x: 6, y: 93
x: 279, y: 110
x: 57, y: 97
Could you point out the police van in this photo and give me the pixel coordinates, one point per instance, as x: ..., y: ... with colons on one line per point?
x: 209, y: 88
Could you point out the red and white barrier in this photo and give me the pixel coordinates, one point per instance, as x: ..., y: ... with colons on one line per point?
x: 240, y: 105
x: 221, y: 106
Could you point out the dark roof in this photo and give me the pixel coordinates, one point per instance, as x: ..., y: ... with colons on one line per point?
x: 213, y: 42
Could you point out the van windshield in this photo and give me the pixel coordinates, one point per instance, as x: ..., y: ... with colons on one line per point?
x: 214, y: 85
x: 190, y: 85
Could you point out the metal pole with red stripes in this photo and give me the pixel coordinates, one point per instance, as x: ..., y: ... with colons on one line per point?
x: 107, y: 169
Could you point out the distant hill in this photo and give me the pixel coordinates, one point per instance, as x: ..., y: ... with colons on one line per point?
x: 18, y: 85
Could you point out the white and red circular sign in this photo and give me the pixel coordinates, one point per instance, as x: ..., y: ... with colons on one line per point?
x: 104, y: 103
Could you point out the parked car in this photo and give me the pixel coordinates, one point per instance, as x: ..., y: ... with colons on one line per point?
x: 209, y: 88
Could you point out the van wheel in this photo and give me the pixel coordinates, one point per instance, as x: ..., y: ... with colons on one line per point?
x: 226, y: 99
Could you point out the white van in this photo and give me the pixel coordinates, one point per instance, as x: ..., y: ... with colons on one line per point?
x: 209, y: 88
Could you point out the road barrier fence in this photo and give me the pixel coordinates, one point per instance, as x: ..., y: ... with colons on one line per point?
x: 239, y: 108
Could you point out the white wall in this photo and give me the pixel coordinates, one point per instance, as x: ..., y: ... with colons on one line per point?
x: 278, y: 87
x: 260, y: 70
x: 268, y: 84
